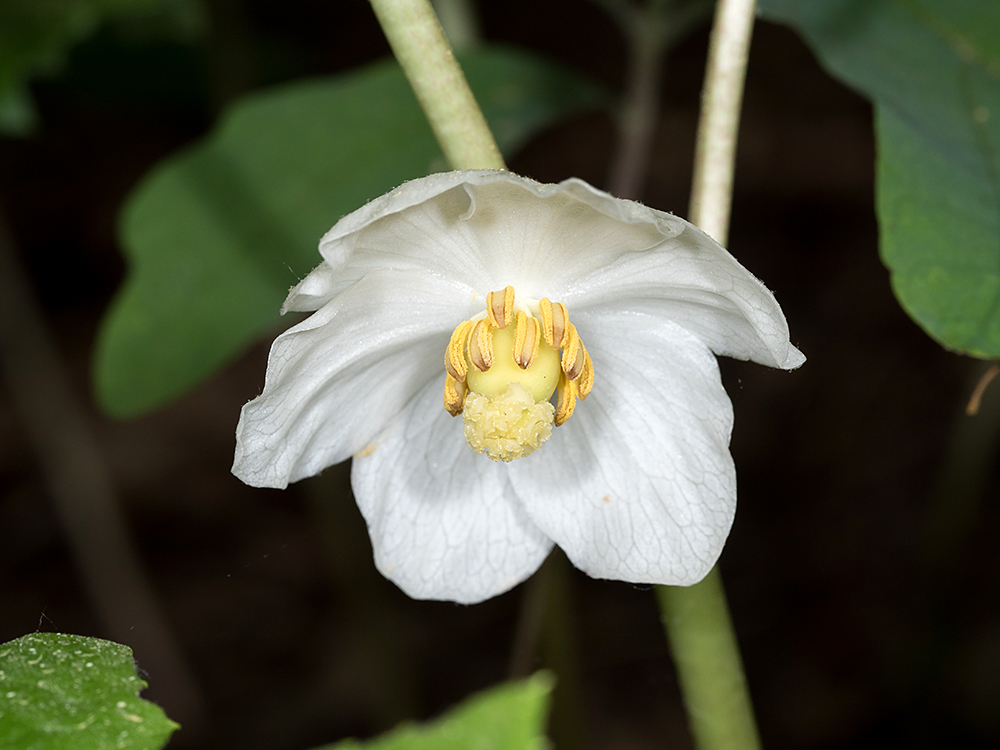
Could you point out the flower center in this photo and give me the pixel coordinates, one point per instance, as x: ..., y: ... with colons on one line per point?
x: 503, y: 366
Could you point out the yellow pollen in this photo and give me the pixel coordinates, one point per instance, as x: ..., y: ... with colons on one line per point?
x: 501, y: 377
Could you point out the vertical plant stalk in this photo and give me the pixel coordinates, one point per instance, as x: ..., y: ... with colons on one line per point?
x: 545, y: 636
x: 708, y: 664
x: 422, y: 50
x: 696, y: 618
x: 722, y: 96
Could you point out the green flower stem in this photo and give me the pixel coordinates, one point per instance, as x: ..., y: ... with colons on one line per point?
x: 419, y: 44
x: 722, y: 95
x: 708, y: 664
x: 696, y: 618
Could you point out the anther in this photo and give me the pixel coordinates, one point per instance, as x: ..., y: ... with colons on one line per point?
x: 572, y: 353
x: 586, y: 380
x: 454, y: 356
x: 500, y: 306
x: 455, y: 392
x: 567, y: 401
x: 554, y: 320
x: 527, y: 339
x: 481, y: 345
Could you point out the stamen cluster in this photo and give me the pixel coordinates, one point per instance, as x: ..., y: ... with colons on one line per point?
x: 508, y: 349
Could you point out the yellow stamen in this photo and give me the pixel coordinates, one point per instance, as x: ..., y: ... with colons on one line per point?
x: 567, y: 401
x: 481, y: 345
x: 527, y: 339
x: 554, y: 320
x: 454, y: 356
x: 540, y: 378
x: 586, y: 380
x: 500, y: 306
x: 454, y: 395
x: 572, y: 353
x: 501, y: 377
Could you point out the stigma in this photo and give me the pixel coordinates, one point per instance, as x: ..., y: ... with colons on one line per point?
x: 503, y: 367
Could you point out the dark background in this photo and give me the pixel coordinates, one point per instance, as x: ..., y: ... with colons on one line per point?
x: 862, y: 569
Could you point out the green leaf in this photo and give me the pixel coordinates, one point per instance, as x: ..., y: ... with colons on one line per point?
x: 508, y: 717
x: 68, y: 692
x: 933, y: 72
x: 35, y: 36
x: 216, y: 235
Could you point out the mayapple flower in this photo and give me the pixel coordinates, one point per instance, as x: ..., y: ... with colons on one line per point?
x: 573, y: 337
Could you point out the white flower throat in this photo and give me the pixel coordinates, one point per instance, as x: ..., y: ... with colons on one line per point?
x: 503, y: 366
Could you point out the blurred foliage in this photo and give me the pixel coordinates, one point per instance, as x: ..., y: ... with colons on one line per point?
x: 69, y: 692
x: 933, y: 72
x: 508, y: 717
x: 217, y: 234
x: 36, y: 35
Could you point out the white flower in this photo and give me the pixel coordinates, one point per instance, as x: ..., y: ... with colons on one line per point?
x: 637, y: 485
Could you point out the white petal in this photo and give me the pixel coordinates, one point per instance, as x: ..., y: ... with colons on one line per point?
x: 444, y: 522
x: 314, y: 291
x: 639, y: 484
x: 338, y: 378
x: 570, y: 242
x: 691, y: 280
x: 492, y: 228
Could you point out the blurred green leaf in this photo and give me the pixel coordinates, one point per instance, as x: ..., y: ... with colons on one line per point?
x: 508, y: 717
x: 68, y: 692
x: 216, y: 235
x: 35, y: 36
x: 933, y: 71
